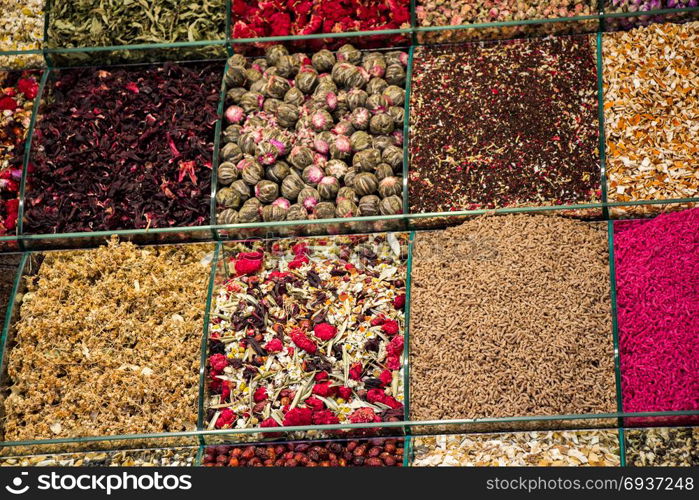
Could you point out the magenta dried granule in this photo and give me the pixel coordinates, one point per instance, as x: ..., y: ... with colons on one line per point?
x: 657, y: 277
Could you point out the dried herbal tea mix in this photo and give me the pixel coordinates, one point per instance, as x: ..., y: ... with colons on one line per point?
x: 312, y: 137
x: 309, y: 332
x: 21, y: 28
x: 631, y: 6
x: 18, y: 90
x: 651, y: 80
x: 94, y: 23
x: 539, y: 449
x: 657, y: 280
x: 510, y: 316
x: 124, y: 148
x: 663, y: 446
x: 458, y: 12
x: 378, y: 452
x: 504, y: 124
x: 254, y: 19
x: 108, y: 343
x: 165, y: 457
x: 8, y: 269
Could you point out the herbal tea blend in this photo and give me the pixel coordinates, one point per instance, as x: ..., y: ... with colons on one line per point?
x: 21, y: 28
x: 8, y: 269
x: 164, y: 457
x: 657, y: 279
x: 378, y: 452
x: 504, y: 124
x: 510, y: 316
x: 138, y: 153
x: 664, y: 446
x: 538, y: 449
x: 18, y: 90
x: 312, y: 137
x: 651, y: 79
x: 254, y: 19
x: 95, y: 23
x: 632, y: 6
x: 308, y: 333
x: 108, y: 342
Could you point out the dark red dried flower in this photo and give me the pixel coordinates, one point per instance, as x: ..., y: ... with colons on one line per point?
x: 363, y: 415
x: 298, y: 416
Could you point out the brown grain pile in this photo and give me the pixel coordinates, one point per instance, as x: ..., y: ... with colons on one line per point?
x: 108, y: 342
x: 511, y: 317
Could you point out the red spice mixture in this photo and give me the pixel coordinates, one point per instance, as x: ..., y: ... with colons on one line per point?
x: 18, y: 90
x: 124, y: 148
x: 504, y: 124
x: 308, y: 332
x: 255, y: 19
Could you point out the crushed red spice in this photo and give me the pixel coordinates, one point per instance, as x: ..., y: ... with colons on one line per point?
x: 124, y: 148
x: 504, y: 124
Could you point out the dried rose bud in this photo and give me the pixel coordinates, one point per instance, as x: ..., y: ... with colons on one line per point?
x: 312, y: 175
x: 328, y: 187
x: 297, y: 212
x: 276, y: 87
x: 366, y: 160
x: 344, y: 127
x: 249, y: 214
x: 341, y: 148
x: 253, y: 172
x: 306, y: 80
x: 397, y: 137
x: 347, y: 193
x: 308, y: 197
x: 287, y: 115
x: 349, y: 53
x: 349, y: 177
x: 394, y: 95
x: 292, y: 186
x: 383, y: 170
x: 251, y: 101
x: 346, y: 208
x: 227, y: 173
x: 277, y: 172
x: 376, y: 86
x: 390, y: 186
x: 336, y: 168
x: 231, y: 152
x: 287, y: 66
x: 360, y: 141
x: 391, y: 206
x: 323, y: 60
x: 369, y: 205
x: 301, y: 157
x: 374, y: 64
x: 324, y: 210
x: 227, y: 197
x: 397, y: 114
x: 376, y: 103
x: 266, y: 191
x: 273, y: 213
x: 235, y: 94
x: 395, y: 75
x: 321, y: 120
x: 232, y: 133
x: 227, y: 216
x: 271, y: 106
x: 294, y: 96
x: 365, y: 183
x: 242, y: 188
x: 235, y: 76
x: 393, y: 155
x: 274, y: 52
x: 381, y: 123
x: 235, y: 114
x: 359, y: 118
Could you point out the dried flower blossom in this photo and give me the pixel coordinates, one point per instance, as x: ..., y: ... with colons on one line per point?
x: 21, y: 28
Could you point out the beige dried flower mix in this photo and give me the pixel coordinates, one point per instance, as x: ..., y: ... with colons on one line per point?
x: 651, y: 94
x: 107, y: 343
x: 511, y: 316
x: 555, y: 448
x: 164, y: 457
x: 21, y: 28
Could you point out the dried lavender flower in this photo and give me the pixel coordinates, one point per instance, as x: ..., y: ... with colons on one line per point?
x: 227, y: 173
x: 391, y: 206
x: 346, y: 208
x: 227, y: 216
x: 323, y: 60
x: 266, y: 191
x: 369, y: 205
x: 360, y: 141
x: 381, y: 123
x: 328, y: 187
x: 365, y: 183
x: 366, y: 160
